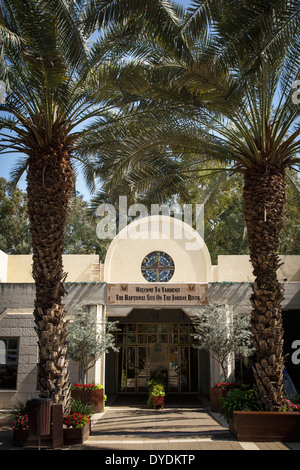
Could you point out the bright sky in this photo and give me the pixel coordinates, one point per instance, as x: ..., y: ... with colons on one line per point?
x: 7, y: 161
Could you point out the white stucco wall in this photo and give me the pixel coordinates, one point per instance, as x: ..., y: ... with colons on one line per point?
x: 3, y: 266
x: 237, y: 268
x: 78, y: 267
x: 157, y: 233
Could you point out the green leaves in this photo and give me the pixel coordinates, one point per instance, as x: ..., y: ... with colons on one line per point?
x: 221, y: 333
x: 89, y: 339
x: 57, y: 84
x: 160, y: 18
x: 239, y: 400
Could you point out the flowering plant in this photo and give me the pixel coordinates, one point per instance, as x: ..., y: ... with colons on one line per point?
x: 90, y: 386
x: 227, y: 385
x: 287, y: 405
x: 76, y: 420
x: 21, y: 421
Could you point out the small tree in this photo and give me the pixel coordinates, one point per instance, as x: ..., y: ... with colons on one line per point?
x: 222, y: 334
x: 89, y: 339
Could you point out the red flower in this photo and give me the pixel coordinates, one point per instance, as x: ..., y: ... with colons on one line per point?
x: 90, y: 386
x: 227, y: 385
x: 76, y: 420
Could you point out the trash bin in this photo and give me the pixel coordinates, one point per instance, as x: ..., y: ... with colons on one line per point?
x: 39, y: 416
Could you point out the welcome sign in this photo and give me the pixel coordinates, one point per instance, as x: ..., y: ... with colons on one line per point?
x: 157, y: 294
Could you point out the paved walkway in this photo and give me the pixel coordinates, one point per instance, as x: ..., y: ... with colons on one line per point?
x: 128, y: 424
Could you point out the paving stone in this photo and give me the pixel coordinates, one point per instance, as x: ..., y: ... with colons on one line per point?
x: 176, y: 428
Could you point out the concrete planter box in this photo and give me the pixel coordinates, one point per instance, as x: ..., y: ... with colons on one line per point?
x: 77, y: 435
x: 265, y: 426
x: 96, y: 397
x: 158, y: 401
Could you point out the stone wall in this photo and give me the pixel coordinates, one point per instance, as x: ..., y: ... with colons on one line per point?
x: 21, y: 326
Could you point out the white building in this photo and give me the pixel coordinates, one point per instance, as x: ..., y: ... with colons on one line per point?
x: 157, y: 273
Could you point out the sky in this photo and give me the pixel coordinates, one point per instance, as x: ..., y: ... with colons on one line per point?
x: 8, y: 161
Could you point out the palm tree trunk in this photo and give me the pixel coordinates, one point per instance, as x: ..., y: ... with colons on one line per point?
x: 264, y: 207
x: 49, y: 186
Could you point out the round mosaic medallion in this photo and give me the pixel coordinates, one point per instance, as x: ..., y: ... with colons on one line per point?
x: 157, y: 267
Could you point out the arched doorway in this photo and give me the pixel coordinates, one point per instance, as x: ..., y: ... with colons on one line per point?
x: 154, y: 268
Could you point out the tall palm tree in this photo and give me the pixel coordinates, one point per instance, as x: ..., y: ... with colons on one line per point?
x: 53, y: 94
x: 227, y: 99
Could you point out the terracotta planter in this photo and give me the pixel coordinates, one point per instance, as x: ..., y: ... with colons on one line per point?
x: 158, y: 401
x: 265, y: 426
x: 77, y: 435
x: 215, y: 398
x: 96, y: 397
x: 20, y: 437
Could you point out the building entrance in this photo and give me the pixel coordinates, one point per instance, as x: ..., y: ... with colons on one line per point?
x: 165, y: 350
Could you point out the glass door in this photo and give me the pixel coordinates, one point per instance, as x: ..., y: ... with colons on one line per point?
x: 130, y: 369
x: 142, y: 372
x: 146, y: 349
x: 133, y: 369
x: 173, y: 374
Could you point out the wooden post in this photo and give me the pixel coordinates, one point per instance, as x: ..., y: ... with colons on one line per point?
x: 57, y: 426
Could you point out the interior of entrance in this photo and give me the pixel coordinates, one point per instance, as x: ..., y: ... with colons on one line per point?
x: 155, y: 343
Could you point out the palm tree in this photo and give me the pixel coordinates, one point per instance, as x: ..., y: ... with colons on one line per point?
x: 228, y: 99
x: 53, y: 95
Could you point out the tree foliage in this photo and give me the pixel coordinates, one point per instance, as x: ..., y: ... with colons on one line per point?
x: 222, y: 334
x: 14, y: 224
x: 89, y: 339
x: 226, y: 100
x: 15, y: 238
x: 80, y: 230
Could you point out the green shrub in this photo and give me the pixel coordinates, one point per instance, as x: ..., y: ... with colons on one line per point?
x: 296, y: 399
x: 82, y: 408
x: 238, y: 400
x: 17, y: 409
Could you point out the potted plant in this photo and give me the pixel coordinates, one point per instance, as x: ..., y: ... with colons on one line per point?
x: 222, y: 333
x: 219, y: 391
x: 89, y: 393
x: 158, y: 396
x: 20, y: 429
x: 76, y: 428
x: 238, y: 399
x: 89, y: 339
x: 156, y: 393
x: 248, y: 423
x: 77, y: 406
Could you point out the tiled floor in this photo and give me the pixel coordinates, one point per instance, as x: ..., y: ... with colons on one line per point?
x: 128, y: 424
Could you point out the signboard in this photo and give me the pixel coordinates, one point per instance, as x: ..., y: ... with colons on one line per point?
x: 159, y: 294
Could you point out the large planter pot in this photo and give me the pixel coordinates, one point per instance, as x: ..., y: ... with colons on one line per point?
x: 265, y: 426
x: 20, y: 437
x: 215, y: 395
x: 158, y: 401
x: 77, y: 435
x: 96, y: 397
